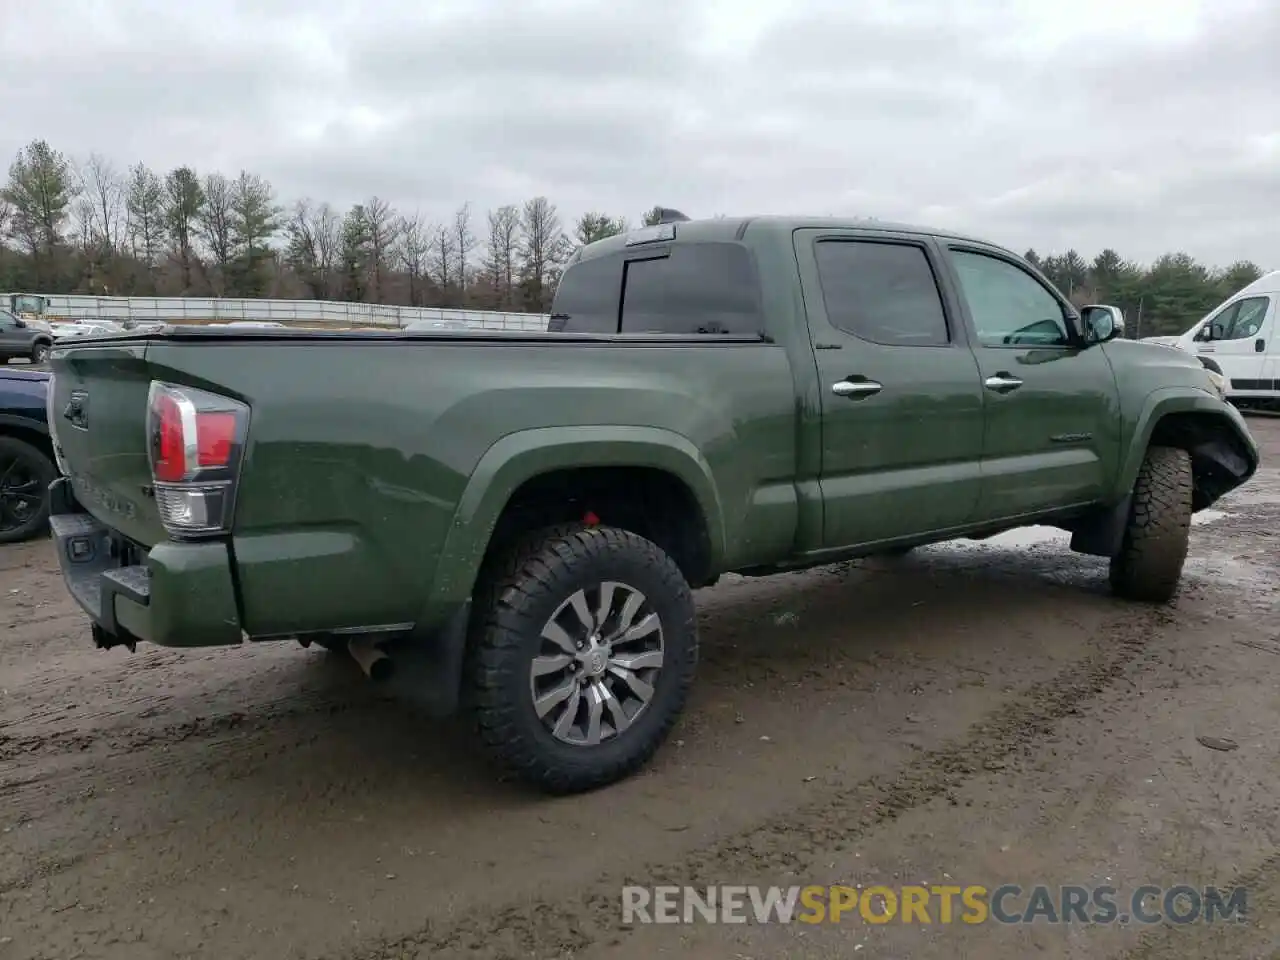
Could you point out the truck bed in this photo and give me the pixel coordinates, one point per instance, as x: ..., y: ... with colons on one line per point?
x: 362, y: 445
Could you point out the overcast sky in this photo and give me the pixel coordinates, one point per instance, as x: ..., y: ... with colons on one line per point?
x: 1145, y: 125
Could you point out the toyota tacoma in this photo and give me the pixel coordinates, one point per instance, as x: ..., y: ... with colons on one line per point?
x: 529, y: 513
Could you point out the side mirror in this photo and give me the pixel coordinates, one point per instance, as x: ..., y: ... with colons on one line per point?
x: 20, y: 323
x: 1217, y: 331
x: 1101, y: 323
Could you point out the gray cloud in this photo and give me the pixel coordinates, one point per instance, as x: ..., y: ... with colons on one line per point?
x: 1146, y: 126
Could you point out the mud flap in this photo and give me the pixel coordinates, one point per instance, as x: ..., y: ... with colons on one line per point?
x: 428, y: 665
x: 1102, y: 534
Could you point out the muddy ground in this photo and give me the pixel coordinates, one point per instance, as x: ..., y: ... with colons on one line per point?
x: 973, y: 714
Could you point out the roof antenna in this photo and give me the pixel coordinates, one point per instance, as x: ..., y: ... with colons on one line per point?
x: 668, y: 215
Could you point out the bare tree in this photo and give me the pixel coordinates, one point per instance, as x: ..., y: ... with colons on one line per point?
x: 543, y: 250
x: 102, y: 183
x: 214, y: 223
x: 411, y: 253
x: 464, y: 241
x: 500, y: 257
x: 383, y: 226
x: 443, y: 257
x: 314, y: 237
x: 84, y: 214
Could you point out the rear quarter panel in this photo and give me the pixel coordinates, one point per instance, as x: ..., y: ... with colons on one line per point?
x: 361, y: 454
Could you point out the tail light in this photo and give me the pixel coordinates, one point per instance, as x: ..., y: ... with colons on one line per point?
x: 195, y: 441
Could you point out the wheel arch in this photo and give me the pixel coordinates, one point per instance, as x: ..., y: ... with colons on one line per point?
x: 1223, y: 455
x: 521, y: 458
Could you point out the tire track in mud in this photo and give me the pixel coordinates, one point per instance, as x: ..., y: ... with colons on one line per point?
x: 263, y: 716
x: 126, y: 739
x: 1223, y: 938
x: 544, y: 929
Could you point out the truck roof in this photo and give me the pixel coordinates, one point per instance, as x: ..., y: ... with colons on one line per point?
x: 1267, y: 283
x: 734, y: 228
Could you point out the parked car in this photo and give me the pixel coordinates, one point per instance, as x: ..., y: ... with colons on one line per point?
x: 20, y: 340
x: 1240, y: 341
x: 65, y: 329
x: 26, y: 454
x: 529, y: 512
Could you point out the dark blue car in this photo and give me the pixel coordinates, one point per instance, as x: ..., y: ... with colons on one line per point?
x: 26, y: 454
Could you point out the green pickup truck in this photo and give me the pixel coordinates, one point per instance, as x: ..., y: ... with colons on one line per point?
x: 524, y: 516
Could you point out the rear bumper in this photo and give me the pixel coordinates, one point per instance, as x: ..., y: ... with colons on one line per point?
x: 182, y: 595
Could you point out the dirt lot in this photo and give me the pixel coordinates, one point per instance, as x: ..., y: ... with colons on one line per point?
x: 973, y: 714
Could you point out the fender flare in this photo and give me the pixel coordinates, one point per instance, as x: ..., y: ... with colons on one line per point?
x: 521, y: 456
x: 1172, y: 400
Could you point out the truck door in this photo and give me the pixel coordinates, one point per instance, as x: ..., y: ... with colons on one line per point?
x: 14, y: 341
x: 900, y: 398
x: 1237, y: 339
x: 1052, y: 406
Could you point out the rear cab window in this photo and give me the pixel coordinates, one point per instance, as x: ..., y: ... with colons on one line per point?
x: 692, y: 288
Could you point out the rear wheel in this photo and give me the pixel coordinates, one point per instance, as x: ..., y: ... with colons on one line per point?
x: 1149, y: 563
x: 25, y: 475
x: 585, y: 648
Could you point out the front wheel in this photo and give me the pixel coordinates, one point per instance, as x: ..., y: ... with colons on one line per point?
x: 40, y: 352
x: 585, y: 648
x: 1149, y: 563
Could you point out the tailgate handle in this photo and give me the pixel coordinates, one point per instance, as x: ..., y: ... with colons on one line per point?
x: 76, y: 413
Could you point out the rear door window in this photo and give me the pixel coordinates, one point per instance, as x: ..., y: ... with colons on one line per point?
x: 881, y: 292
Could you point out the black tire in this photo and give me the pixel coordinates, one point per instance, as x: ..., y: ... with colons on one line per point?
x: 24, y: 472
x: 1149, y: 563
x: 40, y: 351
x: 518, y: 596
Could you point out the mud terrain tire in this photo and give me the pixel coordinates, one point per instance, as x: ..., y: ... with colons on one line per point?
x: 533, y: 585
x: 1149, y: 563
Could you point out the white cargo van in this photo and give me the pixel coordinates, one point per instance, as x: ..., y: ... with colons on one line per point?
x: 1240, y: 339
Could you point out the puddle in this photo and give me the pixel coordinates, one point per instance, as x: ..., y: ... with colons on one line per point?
x: 1027, y: 537
x: 1208, y: 516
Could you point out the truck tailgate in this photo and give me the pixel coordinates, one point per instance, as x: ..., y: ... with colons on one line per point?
x: 98, y: 416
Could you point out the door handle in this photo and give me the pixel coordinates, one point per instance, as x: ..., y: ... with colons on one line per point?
x: 1002, y: 383
x: 1259, y: 345
x: 855, y: 388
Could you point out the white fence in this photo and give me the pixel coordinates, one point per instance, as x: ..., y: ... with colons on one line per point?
x: 300, y: 312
